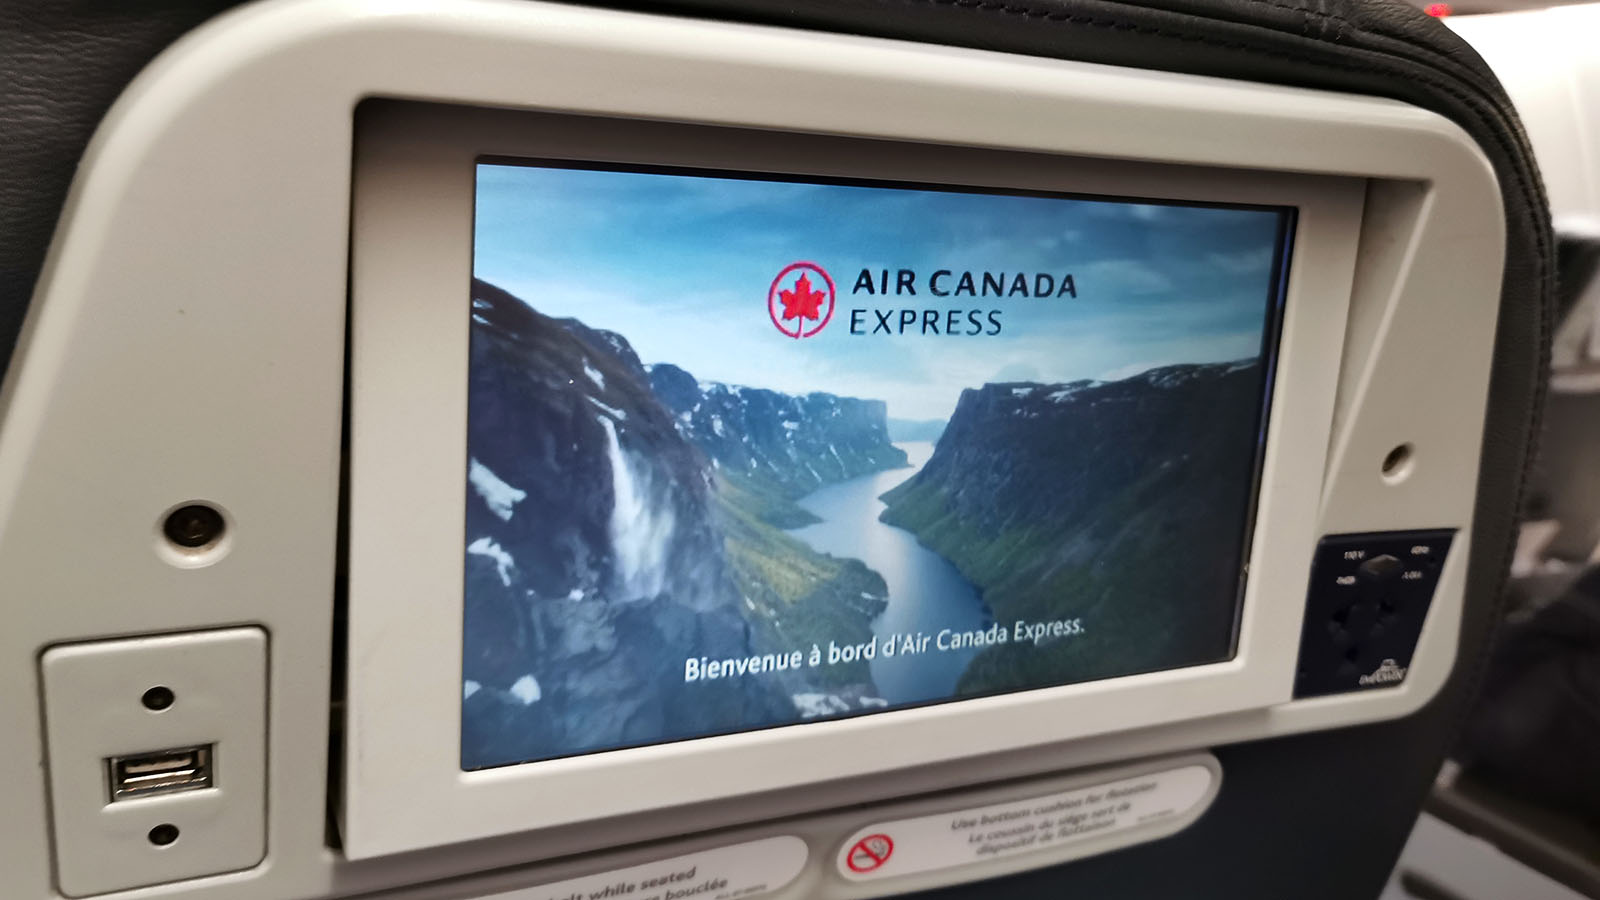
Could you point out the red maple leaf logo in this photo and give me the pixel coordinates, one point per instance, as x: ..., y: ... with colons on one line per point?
x: 802, y: 302
x: 811, y: 298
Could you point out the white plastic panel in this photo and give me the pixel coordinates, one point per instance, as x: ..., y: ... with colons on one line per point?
x: 216, y: 686
x: 413, y: 208
x: 762, y: 859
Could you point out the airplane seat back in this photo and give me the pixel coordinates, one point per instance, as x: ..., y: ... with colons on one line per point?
x: 1319, y: 813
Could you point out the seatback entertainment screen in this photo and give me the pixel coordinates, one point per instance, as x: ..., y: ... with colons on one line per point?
x: 748, y: 451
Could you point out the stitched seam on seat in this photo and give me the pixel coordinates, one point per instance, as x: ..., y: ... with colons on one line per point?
x: 1430, y: 56
x: 1433, y: 55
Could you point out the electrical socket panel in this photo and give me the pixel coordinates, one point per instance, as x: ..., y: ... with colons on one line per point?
x: 1367, y: 603
x: 156, y: 750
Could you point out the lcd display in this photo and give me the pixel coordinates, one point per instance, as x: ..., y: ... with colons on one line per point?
x: 748, y: 451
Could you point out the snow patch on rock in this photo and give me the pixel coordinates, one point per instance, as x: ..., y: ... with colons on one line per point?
x: 500, y: 497
x: 614, y: 413
x: 503, y: 562
x: 527, y: 690
x: 812, y: 705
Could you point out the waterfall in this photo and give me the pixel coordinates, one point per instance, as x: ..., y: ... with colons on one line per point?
x: 640, y: 529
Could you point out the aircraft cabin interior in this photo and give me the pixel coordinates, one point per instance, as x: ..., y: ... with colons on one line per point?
x: 836, y: 449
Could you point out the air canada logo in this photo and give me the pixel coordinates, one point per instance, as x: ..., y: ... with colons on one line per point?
x: 800, y: 300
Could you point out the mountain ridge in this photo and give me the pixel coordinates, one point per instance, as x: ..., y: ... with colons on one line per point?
x: 764, y: 439
x: 1122, y: 503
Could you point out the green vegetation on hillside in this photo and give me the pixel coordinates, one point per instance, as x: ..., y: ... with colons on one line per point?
x: 767, y: 502
x: 797, y: 596
x: 1121, y: 506
x: 1113, y: 571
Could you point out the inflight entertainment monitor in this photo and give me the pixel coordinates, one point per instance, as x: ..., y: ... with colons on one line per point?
x: 694, y: 463
x: 752, y: 450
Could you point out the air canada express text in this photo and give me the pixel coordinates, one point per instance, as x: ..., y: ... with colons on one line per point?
x: 946, y: 318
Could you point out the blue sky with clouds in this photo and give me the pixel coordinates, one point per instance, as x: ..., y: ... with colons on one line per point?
x: 680, y: 266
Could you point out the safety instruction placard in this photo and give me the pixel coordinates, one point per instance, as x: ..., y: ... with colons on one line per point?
x: 749, y: 869
x: 1029, y: 825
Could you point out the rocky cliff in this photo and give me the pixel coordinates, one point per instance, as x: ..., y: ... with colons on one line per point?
x: 772, y: 442
x: 1123, y: 504
x: 603, y: 549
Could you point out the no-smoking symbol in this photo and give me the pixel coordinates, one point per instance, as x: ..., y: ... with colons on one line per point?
x: 869, y: 853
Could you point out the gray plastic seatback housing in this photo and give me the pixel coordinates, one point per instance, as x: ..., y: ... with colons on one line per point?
x: 208, y: 231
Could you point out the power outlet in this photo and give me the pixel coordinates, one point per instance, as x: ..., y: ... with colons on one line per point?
x: 1365, y: 608
x: 157, y: 757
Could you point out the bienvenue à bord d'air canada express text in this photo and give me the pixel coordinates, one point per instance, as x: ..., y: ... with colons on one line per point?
x: 1021, y: 632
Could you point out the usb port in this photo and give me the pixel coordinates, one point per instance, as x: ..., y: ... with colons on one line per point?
x: 161, y: 772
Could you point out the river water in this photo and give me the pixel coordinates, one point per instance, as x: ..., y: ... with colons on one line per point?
x: 926, y: 593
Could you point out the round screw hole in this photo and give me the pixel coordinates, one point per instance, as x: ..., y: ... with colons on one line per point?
x: 1397, y: 465
x: 164, y: 834
x: 158, y: 698
x: 194, y: 526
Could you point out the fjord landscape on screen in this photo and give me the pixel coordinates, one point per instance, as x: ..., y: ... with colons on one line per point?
x: 749, y: 451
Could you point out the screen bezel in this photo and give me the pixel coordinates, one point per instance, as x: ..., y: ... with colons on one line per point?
x: 1271, y: 305
x: 412, y: 261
